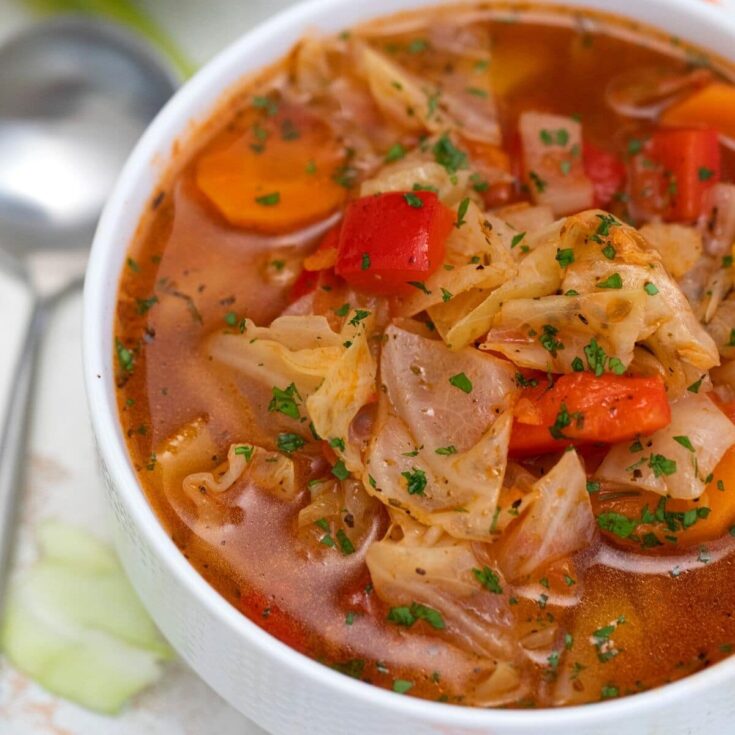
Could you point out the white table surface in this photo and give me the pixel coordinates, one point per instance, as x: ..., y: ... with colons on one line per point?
x: 63, y: 480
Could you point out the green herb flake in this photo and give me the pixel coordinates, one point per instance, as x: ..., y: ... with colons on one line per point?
x: 564, y: 257
x: 413, y: 200
x: 446, y: 451
x: 269, y: 200
x: 612, y: 281
x: 285, y: 401
x: 650, y: 288
x: 461, y: 381
x: 685, y: 442
x: 289, y: 443
x: 448, y: 155
x: 246, y: 451
x: 365, y: 261
x: 340, y: 471
x: 395, y: 153
x: 401, y: 686
x: 704, y: 173
x: 489, y: 579
x: 461, y: 212
x: 517, y: 239
x: 345, y: 545
x: 415, y: 481
x: 124, y: 357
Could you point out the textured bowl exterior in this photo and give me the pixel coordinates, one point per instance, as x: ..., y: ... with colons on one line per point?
x: 281, y: 690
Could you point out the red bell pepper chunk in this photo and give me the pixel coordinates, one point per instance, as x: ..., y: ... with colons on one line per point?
x: 582, y: 408
x: 673, y: 172
x: 389, y: 240
x: 605, y: 170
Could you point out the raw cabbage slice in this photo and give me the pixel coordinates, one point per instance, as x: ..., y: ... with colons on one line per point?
x: 439, y: 451
x: 676, y: 460
x: 74, y: 624
x: 558, y: 523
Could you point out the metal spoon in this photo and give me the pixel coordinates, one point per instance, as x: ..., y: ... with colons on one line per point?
x: 75, y: 94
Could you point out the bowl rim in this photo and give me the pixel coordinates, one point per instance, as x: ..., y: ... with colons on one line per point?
x: 137, y: 184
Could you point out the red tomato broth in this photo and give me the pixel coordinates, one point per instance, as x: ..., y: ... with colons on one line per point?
x: 207, y: 275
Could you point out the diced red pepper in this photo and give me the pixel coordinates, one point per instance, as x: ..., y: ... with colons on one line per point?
x: 582, y: 408
x: 605, y: 170
x: 389, y: 240
x: 671, y: 175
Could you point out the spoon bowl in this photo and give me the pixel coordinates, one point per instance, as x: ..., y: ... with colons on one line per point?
x: 75, y: 95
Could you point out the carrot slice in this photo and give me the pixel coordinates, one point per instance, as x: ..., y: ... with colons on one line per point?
x: 712, y: 106
x: 277, y: 175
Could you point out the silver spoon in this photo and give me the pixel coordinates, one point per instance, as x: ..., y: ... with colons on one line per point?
x: 75, y: 95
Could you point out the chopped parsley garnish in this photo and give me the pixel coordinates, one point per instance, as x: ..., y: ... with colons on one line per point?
x: 606, y: 222
x: 340, y: 471
x: 360, y: 315
x: 448, y: 155
x: 446, y: 295
x: 270, y: 106
x: 609, y: 252
x: 417, y: 46
x: 342, y: 310
x: 617, y: 523
x: 415, y: 481
x: 523, y: 382
x: 549, y: 341
x: 285, y: 401
x: 407, y: 616
x: 488, y: 579
x: 685, y: 442
x: 704, y: 173
x: 538, y: 182
x: 345, y: 545
x: 446, y: 451
x: 563, y: 419
x: 554, y: 137
x: 246, y: 451
x: 269, y: 200
x: 650, y: 288
x: 124, y: 356
x: 694, y: 387
x: 395, y: 153
x: 365, y: 262
x: 133, y: 265
x: 289, y: 443
x: 421, y: 286
x: 461, y: 381
x: 145, y: 305
x: 564, y: 257
x: 401, y: 686
x: 413, y: 200
x: 612, y: 281
x: 461, y: 212
x: 661, y: 465
x: 337, y: 443
x: 577, y: 365
x: 593, y: 487
x: 517, y: 239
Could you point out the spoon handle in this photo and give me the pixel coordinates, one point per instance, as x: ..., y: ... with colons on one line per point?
x: 13, y: 433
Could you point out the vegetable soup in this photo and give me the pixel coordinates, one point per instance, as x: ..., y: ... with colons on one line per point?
x: 425, y: 354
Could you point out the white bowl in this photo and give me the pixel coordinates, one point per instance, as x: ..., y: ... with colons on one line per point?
x: 278, y: 688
